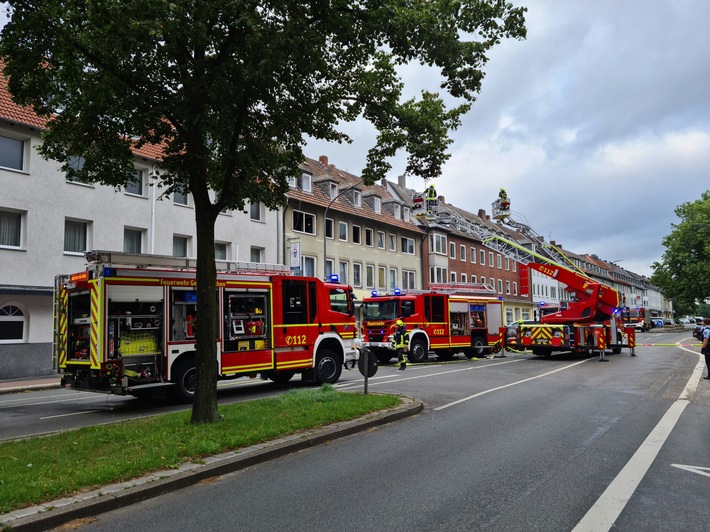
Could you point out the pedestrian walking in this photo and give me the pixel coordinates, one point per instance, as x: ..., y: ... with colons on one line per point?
x: 400, y: 342
x: 706, y: 348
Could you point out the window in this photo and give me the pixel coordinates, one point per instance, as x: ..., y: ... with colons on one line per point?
x: 408, y: 245
x: 12, y: 153
x: 473, y: 279
x: 221, y: 250
x: 473, y: 255
x: 329, y: 228
x: 482, y: 258
x: 256, y: 254
x: 392, y: 240
x: 407, y: 214
x: 308, y: 266
x: 408, y: 280
x: 499, y: 262
x: 180, y: 246
x: 357, y: 198
x: 135, y: 187
x: 515, y: 266
x: 490, y: 259
x: 132, y: 240
x: 304, y: 222
x: 500, y: 286
x: 369, y: 238
x: 462, y: 253
x: 343, y: 271
x: 452, y: 277
x: 507, y: 263
x: 398, y: 211
x: 507, y: 287
x: 377, y: 205
x: 11, y: 227
x: 333, y: 189
x: 75, y: 164
x: 357, y: 235
x: 304, y: 182
x: 256, y: 212
x: 357, y: 274
x: 381, y: 239
x: 437, y: 244
x: 452, y: 250
x: 381, y: 277
x: 464, y: 278
x: 75, y: 236
x: 483, y: 280
x: 393, y: 278
x: 343, y: 231
x: 370, y: 276
x: 437, y: 274
x: 180, y: 198
x: 328, y: 268
x: 12, y: 324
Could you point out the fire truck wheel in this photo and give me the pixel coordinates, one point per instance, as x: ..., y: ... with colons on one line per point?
x: 619, y: 341
x: 328, y: 367
x: 477, y: 347
x: 185, y: 381
x: 417, y: 351
x: 384, y: 356
x: 281, y: 377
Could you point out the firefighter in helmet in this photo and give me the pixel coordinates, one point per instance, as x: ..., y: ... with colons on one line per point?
x: 400, y: 342
x: 430, y: 198
x: 503, y: 195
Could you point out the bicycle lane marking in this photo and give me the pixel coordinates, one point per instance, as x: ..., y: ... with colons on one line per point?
x: 606, y: 510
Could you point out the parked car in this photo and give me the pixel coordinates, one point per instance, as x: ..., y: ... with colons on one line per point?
x: 657, y: 322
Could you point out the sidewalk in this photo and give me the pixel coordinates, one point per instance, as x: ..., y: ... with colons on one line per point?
x: 44, y: 382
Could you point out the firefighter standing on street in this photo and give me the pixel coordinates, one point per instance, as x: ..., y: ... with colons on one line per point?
x: 400, y: 341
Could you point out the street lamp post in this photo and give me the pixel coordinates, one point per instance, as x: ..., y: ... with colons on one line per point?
x: 325, y: 222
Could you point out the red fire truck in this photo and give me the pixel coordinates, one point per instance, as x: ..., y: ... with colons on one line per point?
x: 447, y: 319
x: 637, y: 318
x: 127, y: 325
x: 590, y: 322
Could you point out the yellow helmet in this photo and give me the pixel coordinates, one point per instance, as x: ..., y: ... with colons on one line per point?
x: 399, y: 323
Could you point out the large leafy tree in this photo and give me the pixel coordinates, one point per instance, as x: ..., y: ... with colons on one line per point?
x: 683, y: 273
x: 232, y: 88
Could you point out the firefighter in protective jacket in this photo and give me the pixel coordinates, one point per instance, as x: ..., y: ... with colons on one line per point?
x: 400, y: 342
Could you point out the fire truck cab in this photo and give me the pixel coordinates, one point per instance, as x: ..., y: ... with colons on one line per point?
x: 467, y: 319
x: 128, y: 324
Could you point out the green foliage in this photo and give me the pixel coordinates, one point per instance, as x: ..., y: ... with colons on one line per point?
x: 682, y: 274
x: 231, y: 90
x: 45, y: 468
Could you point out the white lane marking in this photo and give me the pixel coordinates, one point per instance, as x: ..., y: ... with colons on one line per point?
x: 72, y: 414
x: 705, y: 471
x: 606, y: 510
x: 484, y: 392
x: 400, y: 379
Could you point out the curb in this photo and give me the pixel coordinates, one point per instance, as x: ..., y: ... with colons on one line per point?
x: 55, y: 513
x: 28, y: 388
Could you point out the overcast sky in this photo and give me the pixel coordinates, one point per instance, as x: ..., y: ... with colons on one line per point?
x: 597, y: 125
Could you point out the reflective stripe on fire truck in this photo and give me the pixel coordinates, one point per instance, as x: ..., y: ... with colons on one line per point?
x: 97, y: 313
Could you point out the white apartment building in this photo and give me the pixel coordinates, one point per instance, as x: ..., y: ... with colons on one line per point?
x: 47, y: 222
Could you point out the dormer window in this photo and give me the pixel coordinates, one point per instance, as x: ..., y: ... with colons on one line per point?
x: 398, y: 211
x: 304, y: 182
x: 357, y: 198
x: 333, y: 191
x: 377, y: 205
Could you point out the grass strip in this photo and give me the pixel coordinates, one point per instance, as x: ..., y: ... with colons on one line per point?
x: 44, y: 468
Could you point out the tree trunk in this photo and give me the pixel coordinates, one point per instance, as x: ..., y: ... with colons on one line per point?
x: 204, y: 408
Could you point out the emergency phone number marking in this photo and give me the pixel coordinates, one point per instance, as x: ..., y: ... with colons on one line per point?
x: 299, y: 339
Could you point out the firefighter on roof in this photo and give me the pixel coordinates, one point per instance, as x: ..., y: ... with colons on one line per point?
x: 400, y: 342
x: 430, y: 198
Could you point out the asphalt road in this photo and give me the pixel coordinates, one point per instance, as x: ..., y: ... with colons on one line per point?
x: 515, y: 443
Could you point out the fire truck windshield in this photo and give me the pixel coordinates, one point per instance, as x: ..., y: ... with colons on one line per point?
x: 380, y: 310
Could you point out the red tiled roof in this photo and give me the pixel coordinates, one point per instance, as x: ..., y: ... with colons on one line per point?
x: 343, y: 204
x: 12, y: 112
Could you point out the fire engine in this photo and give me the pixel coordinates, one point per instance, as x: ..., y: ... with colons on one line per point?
x: 636, y: 318
x: 447, y: 319
x: 127, y: 325
x: 585, y: 324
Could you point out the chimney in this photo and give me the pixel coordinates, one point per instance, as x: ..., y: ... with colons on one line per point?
x: 482, y: 214
x: 384, y: 182
x: 442, y: 199
x: 402, y: 181
x: 323, y: 160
